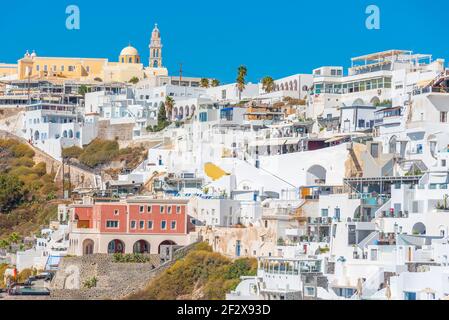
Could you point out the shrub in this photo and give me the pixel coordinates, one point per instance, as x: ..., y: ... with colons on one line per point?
x: 24, y: 275
x: 22, y: 150
x: 11, y: 192
x: 99, y: 152
x: 130, y: 258
x: 72, y: 152
x: 22, y: 162
x: 90, y: 283
x: 201, y: 271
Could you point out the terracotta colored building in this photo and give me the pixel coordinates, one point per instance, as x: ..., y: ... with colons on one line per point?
x: 135, y: 225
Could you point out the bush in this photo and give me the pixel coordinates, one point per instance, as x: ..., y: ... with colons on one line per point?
x: 24, y: 275
x: 99, y: 152
x: 22, y: 150
x: 22, y: 162
x: 90, y: 283
x: 72, y: 152
x: 11, y: 192
x: 130, y: 258
x: 202, y: 271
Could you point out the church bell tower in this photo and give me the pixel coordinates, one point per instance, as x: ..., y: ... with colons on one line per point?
x: 156, y: 48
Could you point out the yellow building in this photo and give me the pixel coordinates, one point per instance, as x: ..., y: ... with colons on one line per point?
x: 129, y: 65
x: 35, y: 67
x: 7, y: 69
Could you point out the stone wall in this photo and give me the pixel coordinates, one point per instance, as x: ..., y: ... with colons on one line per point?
x: 115, y: 281
x: 106, y: 131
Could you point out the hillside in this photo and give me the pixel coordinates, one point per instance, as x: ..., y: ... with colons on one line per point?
x: 201, y: 275
x: 27, y: 191
x: 107, y: 156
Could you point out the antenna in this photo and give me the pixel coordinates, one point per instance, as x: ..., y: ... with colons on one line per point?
x: 180, y: 73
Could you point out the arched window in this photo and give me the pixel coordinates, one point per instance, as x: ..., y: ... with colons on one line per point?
x: 155, y: 64
x: 392, y: 145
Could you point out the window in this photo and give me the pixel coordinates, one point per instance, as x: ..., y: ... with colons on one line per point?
x: 178, y: 210
x: 337, y: 213
x: 361, y: 123
x: 223, y: 94
x: 88, y: 69
x: 71, y: 68
x: 62, y: 68
x: 409, y: 295
x: 443, y: 162
x: 173, y: 225
x: 149, y: 209
x: 150, y: 225
x: 309, y: 291
x: 443, y: 117
x: 133, y: 224
x: 162, y: 209
x: 112, y: 224
x: 374, y: 150
x: 116, y: 212
x: 324, y: 212
x: 141, y: 224
x: 141, y: 209
x: 38, y: 68
x: 164, y: 225
x: 169, y: 209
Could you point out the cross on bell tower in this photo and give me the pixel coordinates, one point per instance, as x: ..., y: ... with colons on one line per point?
x: 156, y: 48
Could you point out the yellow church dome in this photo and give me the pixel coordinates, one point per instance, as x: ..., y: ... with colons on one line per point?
x: 129, y: 51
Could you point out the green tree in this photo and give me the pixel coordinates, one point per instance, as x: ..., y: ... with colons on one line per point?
x: 11, y: 192
x: 14, y: 238
x: 83, y: 89
x: 204, y: 83
x: 4, y: 244
x: 134, y: 80
x: 242, y: 71
x: 268, y: 84
x: 215, y: 83
x: 169, y: 105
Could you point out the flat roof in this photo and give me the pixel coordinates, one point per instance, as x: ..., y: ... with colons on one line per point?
x: 380, y: 55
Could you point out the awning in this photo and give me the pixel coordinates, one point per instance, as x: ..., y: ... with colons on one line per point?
x: 275, y: 142
x: 424, y: 83
x: 335, y: 139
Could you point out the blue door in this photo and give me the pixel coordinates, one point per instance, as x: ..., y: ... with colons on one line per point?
x: 409, y: 295
x: 237, y: 248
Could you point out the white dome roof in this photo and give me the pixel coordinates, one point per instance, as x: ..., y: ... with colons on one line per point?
x: 129, y: 51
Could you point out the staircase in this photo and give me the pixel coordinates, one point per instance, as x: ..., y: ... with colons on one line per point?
x: 370, y: 239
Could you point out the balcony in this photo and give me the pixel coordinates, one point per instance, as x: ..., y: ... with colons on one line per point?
x: 395, y: 214
x: 320, y: 221
x: 294, y: 232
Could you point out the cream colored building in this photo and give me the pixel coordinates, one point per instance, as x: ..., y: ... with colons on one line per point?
x: 7, y: 69
x: 129, y: 66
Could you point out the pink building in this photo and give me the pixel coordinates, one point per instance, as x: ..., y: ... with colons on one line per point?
x: 135, y: 225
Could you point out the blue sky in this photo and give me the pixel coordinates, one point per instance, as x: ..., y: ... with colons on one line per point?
x: 212, y: 38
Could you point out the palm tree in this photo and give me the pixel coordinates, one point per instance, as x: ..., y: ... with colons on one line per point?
x: 204, y: 83
x: 268, y: 84
x: 169, y: 105
x: 14, y: 238
x: 215, y: 83
x: 241, y: 81
x: 83, y: 89
x: 4, y: 244
x: 134, y: 80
